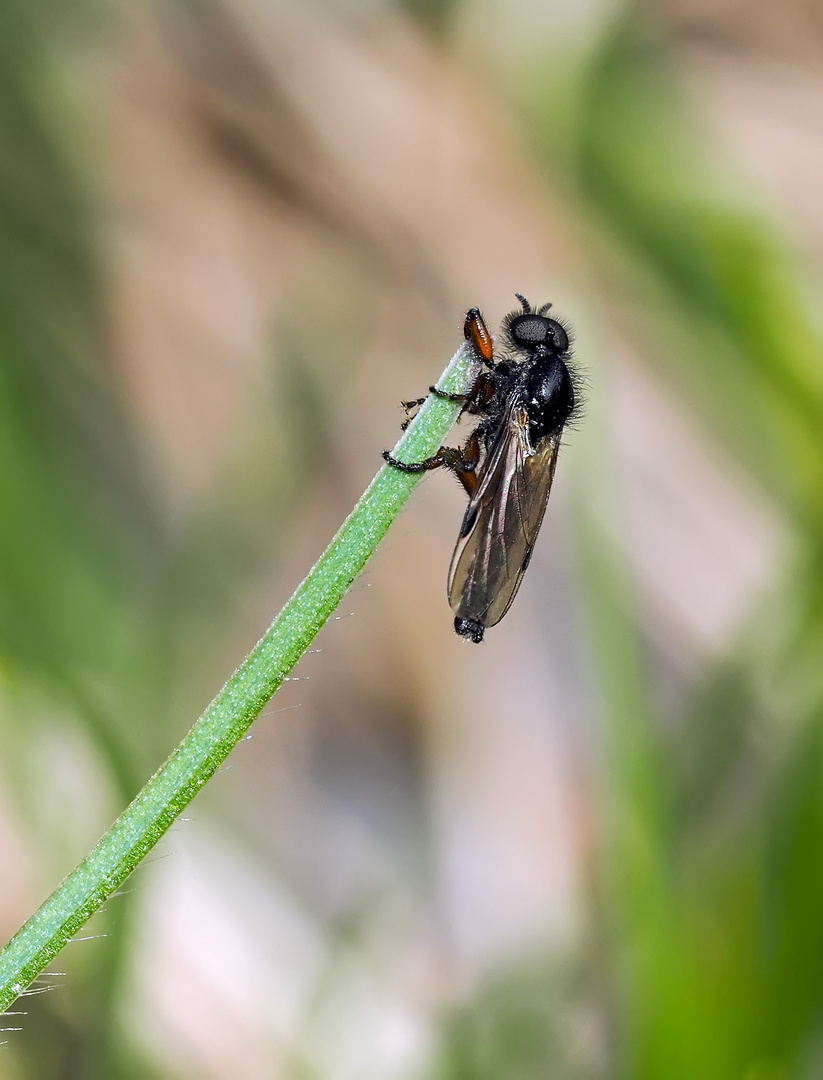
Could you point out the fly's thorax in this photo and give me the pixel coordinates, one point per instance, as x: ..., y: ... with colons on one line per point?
x: 549, y: 397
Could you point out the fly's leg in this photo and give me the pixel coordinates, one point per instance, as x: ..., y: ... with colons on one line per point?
x: 481, y: 396
x: 462, y: 461
x: 469, y: 458
x: 475, y: 401
x: 478, y: 398
x: 446, y: 396
x: 409, y: 408
x: 444, y: 458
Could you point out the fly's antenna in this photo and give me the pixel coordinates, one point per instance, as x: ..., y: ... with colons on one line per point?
x: 527, y: 308
x: 545, y: 308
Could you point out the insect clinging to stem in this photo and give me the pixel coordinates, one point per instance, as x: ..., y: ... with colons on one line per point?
x: 523, y: 401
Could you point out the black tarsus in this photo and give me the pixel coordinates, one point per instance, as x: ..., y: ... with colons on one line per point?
x: 446, y: 396
x: 461, y: 460
x: 407, y: 407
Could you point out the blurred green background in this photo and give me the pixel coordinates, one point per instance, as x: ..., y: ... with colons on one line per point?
x: 233, y: 235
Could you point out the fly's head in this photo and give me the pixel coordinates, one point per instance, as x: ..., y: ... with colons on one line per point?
x: 535, y: 333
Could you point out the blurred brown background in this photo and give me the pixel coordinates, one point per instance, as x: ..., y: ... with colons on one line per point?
x: 233, y: 235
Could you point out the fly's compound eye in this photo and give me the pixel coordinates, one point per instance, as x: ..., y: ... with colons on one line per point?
x: 531, y: 331
x: 558, y: 333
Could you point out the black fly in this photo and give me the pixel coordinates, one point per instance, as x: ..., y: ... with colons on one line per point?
x: 507, y: 464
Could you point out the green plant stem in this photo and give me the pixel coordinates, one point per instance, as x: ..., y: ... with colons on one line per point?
x: 232, y: 711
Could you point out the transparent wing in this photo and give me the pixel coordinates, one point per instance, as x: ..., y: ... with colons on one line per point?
x: 502, y: 521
